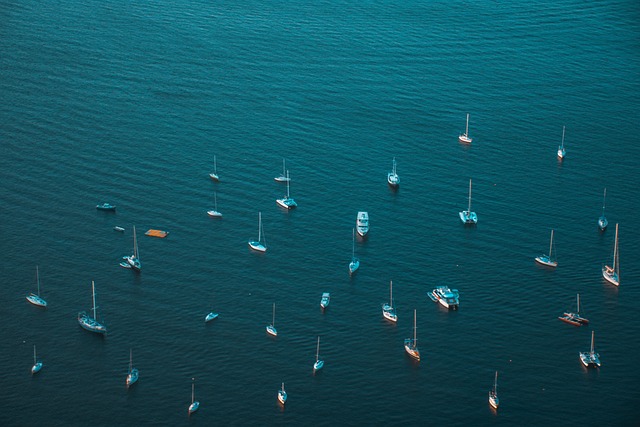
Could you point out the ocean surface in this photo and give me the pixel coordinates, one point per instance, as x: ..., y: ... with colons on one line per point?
x: 129, y: 102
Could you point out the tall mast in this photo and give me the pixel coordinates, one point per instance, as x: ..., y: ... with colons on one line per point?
x: 259, y: 225
x: 592, y: 333
x: 615, y: 252
x: 391, y: 293
x: 562, y: 137
x: 287, y: 184
x: 135, y: 243
x: 34, y: 354
x: 550, y: 244
x: 130, y: 359
x: 469, y: 210
x: 93, y: 292
x: 273, y: 318
x: 415, y: 337
x: 193, y: 389
x: 604, y: 198
x: 466, y: 132
x: 578, y: 304
x: 38, y: 279
x: 318, y: 349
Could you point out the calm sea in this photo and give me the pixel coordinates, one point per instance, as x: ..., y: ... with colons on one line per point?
x: 129, y: 102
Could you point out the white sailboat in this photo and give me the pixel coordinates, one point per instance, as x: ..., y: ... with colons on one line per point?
x: 214, y: 212
x: 576, y: 318
x: 602, y: 221
x: 590, y: 358
x: 392, y: 177
x: 36, y: 299
x: 133, y: 261
x: 271, y: 329
x: 493, y: 394
x: 319, y: 363
x: 287, y: 201
x: 464, y: 138
x: 194, y: 403
x: 89, y: 323
x: 388, y: 310
x: 259, y: 245
x: 209, y: 317
x: 214, y: 175
x: 411, y: 344
x: 468, y: 217
x: 561, y: 150
x: 283, y: 177
x: 355, y: 261
x: 282, y: 395
x: 132, y: 375
x: 548, y: 260
x: 37, y: 365
x: 612, y: 273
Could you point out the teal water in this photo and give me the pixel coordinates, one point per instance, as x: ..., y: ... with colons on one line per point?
x: 101, y: 101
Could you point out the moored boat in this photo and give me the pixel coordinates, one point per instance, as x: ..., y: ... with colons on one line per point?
x: 287, y: 201
x: 319, y: 364
x: 548, y: 260
x: 467, y: 217
x: 612, y: 273
x: 194, y: 403
x: 446, y: 297
x: 132, y: 374
x: 271, y: 329
x: 106, y: 207
x: 392, y: 177
x: 355, y: 261
x: 411, y: 344
x: 362, y: 223
x: 464, y: 138
x: 324, y: 301
x: 602, y: 221
x: 89, y: 323
x: 37, y: 365
x: 388, y: 310
x: 133, y: 261
x: 590, y: 358
x: 493, y: 394
x: 282, y: 395
x: 561, y: 150
x: 259, y: 245
x: 574, y: 318
x: 36, y: 299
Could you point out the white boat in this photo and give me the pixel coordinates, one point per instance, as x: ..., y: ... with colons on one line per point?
x: 362, y: 223
x: 133, y: 261
x: 319, y: 363
x: 388, y: 310
x: 464, y: 138
x: 89, y: 323
x: 468, y: 217
x: 271, y: 329
x: 411, y: 344
x: 590, y: 358
x: 132, y: 374
x: 214, y: 212
x: 493, y: 394
x: 612, y: 273
x: 324, y: 301
x: 602, y: 221
x: 282, y: 395
x: 119, y: 229
x: 259, y: 245
x: 36, y: 299
x: 194, y: 403
x: 392, y: 177
x: 214, y: 175
x: 355, y: 262
x: 561, y: 150
x: 574, y: 318
x: 287, y: 201
x: 209, y: 317
x: 446, y: 297
x: 283, y: 176
x: 548, y: 260
x: 37, y: 365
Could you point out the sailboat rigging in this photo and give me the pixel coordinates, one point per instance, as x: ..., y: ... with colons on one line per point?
x: 89, y: 323
x: 548, y: 260
x: 602, y: 221
x: 36, y: 299
x: 468, y: 217
x: 259, y: 245
x: 464, y: 138
x: 612, y: 273
x: 411, y: 344
x: 388, y: 310
x: 355, y: 261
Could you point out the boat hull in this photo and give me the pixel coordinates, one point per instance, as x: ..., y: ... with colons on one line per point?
x: 393, y: 180
x: 132, y: 377
x: 362, y: 223
x: 282, y: 397
x: 287, y: 203
x: 210, y: 317
x: 493, y: 400
x: 271, y: 330
x: 411, y: 350
x: 610, y: 276
x: 546, y: 261
x: 214, y: 214
x: 90, y: 324
x: 194, y: 407
x: 389, y: 313
x: 572, y: 320
x: 465, y: 139
x: 36, y: 300
x: 257, y: 246
x: 36, y: 368
x: 602, y: 223
x: 590, y: 360
x: 468, y: 218
x: 106, y: 207
x: 354, y: 265
x: 318, y: 365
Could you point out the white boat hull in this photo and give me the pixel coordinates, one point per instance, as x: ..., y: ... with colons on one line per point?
x: 465, y: 139
x: 132, y: 378
x: 610, y: 276
x: 36, y: 300
x: 544, y: 260
x: 36, y: 368
x: 214, y: 214
x: 257, y: 246
x: 271, y: 330
x: 210, y: 317
x: 194, y: 407
x: 468, y: 217
x: 318, y: 365
x: 493, y: 400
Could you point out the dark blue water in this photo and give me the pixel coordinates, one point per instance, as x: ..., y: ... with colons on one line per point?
x: 129, y: 103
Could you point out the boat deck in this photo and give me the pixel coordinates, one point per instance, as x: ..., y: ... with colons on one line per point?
x: 157, y: 233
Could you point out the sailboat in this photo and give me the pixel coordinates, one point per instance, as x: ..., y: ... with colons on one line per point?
x: 602, y: 221
x: 319, y: 363
x: 36, y: 299
x: 612, y: 274
x: 468, y: 217
x: 133, y: 261
x: 561, y: 151
x: 388, y: 311
x: 590, y: 358
x: 214, y: 175
x: 283, y: 177
x: 355, y: 262
x: 89, y: 323
x: 282, y: 395
x: 271, y: 329
x: 209, y: 317
x: 464, y: 138
x: 392, y: 177
x: 287, y: 201
x: 258, y: 245
x: 493, y: 394
x: 547, y: 259
x: 411, y: 344
x: 214, y: 213
x: 36, y: 364
x: 574, y: 318
x: 194, y: 403
x: 132, y: 375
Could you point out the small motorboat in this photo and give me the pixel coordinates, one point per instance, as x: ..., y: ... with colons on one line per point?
x: 106, y: 207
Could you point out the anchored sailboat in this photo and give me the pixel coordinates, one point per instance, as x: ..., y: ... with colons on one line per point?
x: 133, y: 261
x: 259, y: 245
x: 561, y: 151
x: 36, y: 299
x: 287, y: 201
x: 612, y: 273
x: 132, y: 375
x: 271, y: 329
x: 392, y: 177
x: 602, y: 221
x: 468, y: 217
x: 214, y: 175
x: 574, y: 318
x: 194, y: 403
x: 319, y: 363
x: 411, y: 344
x: 214, y: 213
x: 464, y: 138
x: 388, y: 310
x: 590, y: 358
x: 37, y: 365
x: 547, y: 259
x: 89, y: 323
x: 355, y: 261
x: 283, y: 177
x: 493, y: 394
